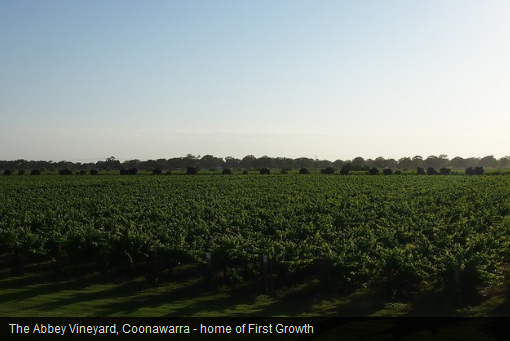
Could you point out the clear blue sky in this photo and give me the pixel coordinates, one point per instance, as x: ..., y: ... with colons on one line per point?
x: 85, y: 80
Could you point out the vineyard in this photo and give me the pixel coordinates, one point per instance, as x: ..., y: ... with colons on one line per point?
x: 400, y: 233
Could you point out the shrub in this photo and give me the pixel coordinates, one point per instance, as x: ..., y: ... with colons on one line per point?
x: 344, y: 171
x: 474, y: 171
x: 21, y: 172
x: 420, y: 171
x: 304, y: 171
x: 245, y: 172
x: 445, y: 171
x: 65, y: 172
x: 328, y: 170
x: 226, y: 171
x: 431, y: 171
x: 83, y: 172
x: 265, y: 171
x: 283, y: 171
x: 35, y: 172
x: 94, y: 172
x: 157, y: 171
x: 387, y: 171
x: 398, y: 172
x: 191, y: 171
x: 130, y: 171
x: 373, y: 171
x: 7, y: 172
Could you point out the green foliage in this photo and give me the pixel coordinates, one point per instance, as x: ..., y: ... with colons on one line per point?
x: 406, y: 231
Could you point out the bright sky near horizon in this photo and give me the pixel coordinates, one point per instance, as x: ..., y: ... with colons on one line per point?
x: 85, y: 80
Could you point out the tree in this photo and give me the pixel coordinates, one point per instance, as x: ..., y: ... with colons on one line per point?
x: 210, y: 162
x: 304, y: 171
x: 263, y: 162
x: 265, y: 171
x: 405, y: 163
x: 488, y: 161
x: 387, y: 171
x: 420, y: 171
x: 358, y: 162
x: 248, y: 162
x: 231, y: 162
x: 226, y: 171
x: 417, y: 161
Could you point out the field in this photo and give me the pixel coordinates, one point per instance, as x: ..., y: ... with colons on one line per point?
x: 250, y: 244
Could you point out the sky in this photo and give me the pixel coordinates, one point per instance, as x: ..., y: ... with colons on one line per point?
x: 85, y: 80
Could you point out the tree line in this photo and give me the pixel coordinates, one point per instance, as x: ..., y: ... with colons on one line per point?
x: 250, y: 162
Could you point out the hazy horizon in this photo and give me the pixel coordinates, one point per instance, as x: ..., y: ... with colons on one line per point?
x: 328, y: 79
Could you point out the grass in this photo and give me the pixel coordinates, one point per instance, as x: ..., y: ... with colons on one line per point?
x: 39, y: 294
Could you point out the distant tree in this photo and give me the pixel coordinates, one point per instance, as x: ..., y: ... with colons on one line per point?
x: 94, y: 171
x: 226, y: 171
x: 379, y: 162
x: 7, y: 172
x: 458, y: 162
x: 358, y: 162
x: 344, y: 171
x: 347, y: 167
x: 328, y: 171
x: 420, y: 171
x: 264, y: 162
x: 373, y: 171
x: 157, y: 171
x: 504, y: 162
x: 304, y: 170
x: 417, y: 161
x: 489, y: 161
x: 35, y: 172
x: 265, y: 171
x: 338, y: 163
x: 231, y: 162
x: 431, y: 171
x: 304, y: 162
x: 248, y: 162
x: 387, y: 171
x: 210, y: 162
x: 405, y: 163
